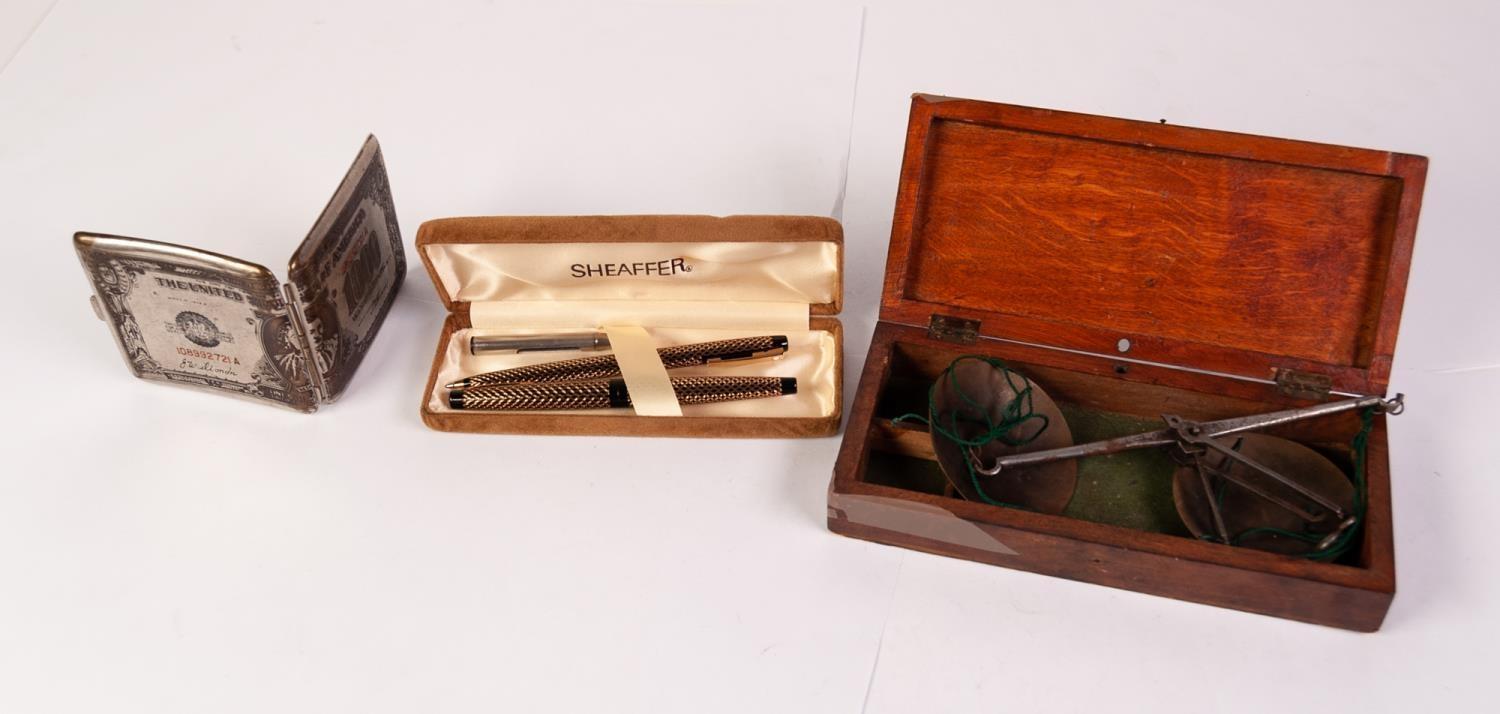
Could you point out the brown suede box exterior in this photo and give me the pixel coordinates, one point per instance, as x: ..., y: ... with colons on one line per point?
x: 631, y: 229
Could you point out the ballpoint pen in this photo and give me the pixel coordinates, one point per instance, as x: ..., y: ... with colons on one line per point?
x: 484, y: 344
x: 612, y: 393
x: 605, y: 366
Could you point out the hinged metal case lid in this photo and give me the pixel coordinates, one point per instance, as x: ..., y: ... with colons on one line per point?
x: 1243, y: 255
x: 187, y: 316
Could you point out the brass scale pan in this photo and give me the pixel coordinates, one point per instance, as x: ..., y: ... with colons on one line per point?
x: 973, y: 388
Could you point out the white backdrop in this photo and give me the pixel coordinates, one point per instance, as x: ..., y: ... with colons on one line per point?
x: 165, y: 550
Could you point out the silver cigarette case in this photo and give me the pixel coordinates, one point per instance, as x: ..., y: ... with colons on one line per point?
x: 198, y: 319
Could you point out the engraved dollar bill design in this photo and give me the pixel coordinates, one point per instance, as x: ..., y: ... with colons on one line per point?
x: 347, y: 271
x: 197, y: 319
x: 201, y: 319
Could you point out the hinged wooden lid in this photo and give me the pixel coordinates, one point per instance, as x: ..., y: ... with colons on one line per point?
x: 1205, y: 249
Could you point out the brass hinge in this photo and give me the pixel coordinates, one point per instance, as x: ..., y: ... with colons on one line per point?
x: 1303, y: 385
x: 953, y: 329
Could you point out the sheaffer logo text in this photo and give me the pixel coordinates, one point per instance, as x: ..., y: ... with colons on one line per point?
x: 670, y: 266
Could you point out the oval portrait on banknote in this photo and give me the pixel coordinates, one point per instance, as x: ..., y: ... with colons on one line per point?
x: 198, y: 329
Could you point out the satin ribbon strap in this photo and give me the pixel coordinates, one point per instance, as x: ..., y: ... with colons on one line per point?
x: 650, y: 388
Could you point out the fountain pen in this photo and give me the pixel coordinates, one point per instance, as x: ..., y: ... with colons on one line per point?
x: 605, y: 366
x: 613, y: 394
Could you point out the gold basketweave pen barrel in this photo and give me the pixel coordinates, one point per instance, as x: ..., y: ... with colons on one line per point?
x: 605, y: 366
x: 612, y: 393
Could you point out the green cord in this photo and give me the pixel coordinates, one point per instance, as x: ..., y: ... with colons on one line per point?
x: 1016, y: 412
x: 1019, y: 411
x: 1345, y: 541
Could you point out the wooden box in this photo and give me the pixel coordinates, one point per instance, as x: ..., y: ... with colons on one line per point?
x: 685, y: 279
x: 1134, y: 269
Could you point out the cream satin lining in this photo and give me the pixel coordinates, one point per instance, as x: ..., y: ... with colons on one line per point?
x: 810, y: 358
x: 517, y: 316
x: 786, y: 272
x: 679, y: 292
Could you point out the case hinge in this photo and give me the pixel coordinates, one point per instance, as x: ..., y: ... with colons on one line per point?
x: 305, y: 342
x: 953, y: 329
x: 1303, y: 385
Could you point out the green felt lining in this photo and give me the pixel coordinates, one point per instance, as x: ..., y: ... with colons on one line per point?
x: 1131, y: 489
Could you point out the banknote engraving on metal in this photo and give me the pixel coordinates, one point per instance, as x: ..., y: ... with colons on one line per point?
x: 197, y: 319
x: 347, y: 271
x: 188, y: 316
x: 199, y: 330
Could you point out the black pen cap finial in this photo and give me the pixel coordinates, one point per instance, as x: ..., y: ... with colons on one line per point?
x: 788, y: 385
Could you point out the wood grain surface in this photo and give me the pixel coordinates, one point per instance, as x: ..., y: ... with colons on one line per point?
x: 1219, y: 252
x: 1206, y: 249
x: 1352, y: 595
